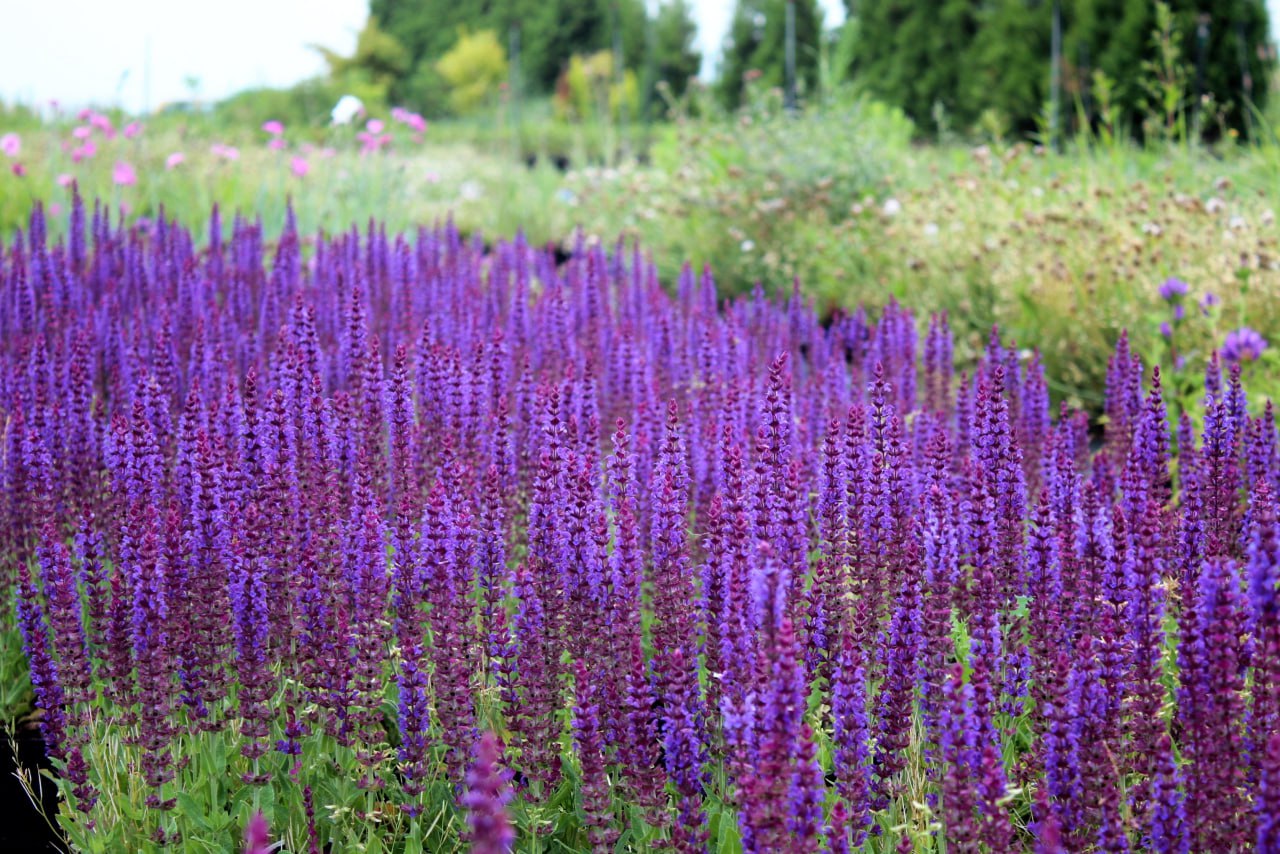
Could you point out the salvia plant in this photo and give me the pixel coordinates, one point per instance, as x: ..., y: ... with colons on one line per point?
x: 376, y: 542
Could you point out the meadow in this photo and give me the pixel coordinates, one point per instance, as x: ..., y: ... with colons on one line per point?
x: 753, y: 484
x: 1062, y: 251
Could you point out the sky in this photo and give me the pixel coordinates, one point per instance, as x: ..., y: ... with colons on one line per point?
x: 140, y: 54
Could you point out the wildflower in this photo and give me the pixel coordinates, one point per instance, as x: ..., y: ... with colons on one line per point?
x: 374, y: 126
x: 226, y: 152
x: 11, y: 144
x: 123, y: 174
x: 19, y: 170
x: 273, y: 127
x: 347, y: 108
x: 132, y: 130
x: 277, y: 144
x: 299, y: 167
x: 1243, y: 345
x: 82, y: 132
x: 84, y: 152
x: 103, y: 124
x: 485, y: 800
x: 371, y: 142
x: 257, y: 835
x: 1166, y: 330
x: 174, y: 160
x: 1172, y: 289
x: 65, y: 179
x: 892, y: 207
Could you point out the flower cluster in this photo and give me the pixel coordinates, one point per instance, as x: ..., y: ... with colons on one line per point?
x: 703, y: 564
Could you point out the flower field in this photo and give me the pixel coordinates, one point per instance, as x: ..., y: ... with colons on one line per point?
x: 406, y: 542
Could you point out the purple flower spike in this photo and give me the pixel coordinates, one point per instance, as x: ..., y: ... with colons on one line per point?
x: 485, y: 800
x: 257, y: 835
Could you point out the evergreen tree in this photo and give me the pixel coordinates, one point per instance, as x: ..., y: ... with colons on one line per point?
x: 915, y: 54
x: 676, y: 58
x: 1239, y: 58
x: 1008, y: 63
x: 757, y: 42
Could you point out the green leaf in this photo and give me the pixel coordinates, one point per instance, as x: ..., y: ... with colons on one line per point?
x: 193, y: 812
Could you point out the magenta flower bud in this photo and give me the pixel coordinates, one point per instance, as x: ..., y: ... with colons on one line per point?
x: 257, y: 835
x: 485, y: 800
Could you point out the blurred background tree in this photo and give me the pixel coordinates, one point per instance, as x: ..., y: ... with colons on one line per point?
x: 474, y: 68
x: 971, y: 67
x: 756, y: 45
x: 912, y: 54
x: 676, y: 58
x: 962, y: 59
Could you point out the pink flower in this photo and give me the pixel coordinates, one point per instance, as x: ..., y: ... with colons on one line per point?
x: 416, y: 123
x: 55, y: 209
x: 19, y: 170
x: 257, y: 835
x: 84, y: 114
x: 372, y: 143
x: 82, y: 132
x: 299, y: 167
x: 277, y: 144
x: 132, y: 129
x: 400, y: 114
x: 174, y: 160
x: 226, y: 152
x: 11, y: 144
x: 103, y: 123
x: 273, y: 127
x: 328, y: 152
x: 374, y: 126
x: 123, y: 174
x: 84, y: 152
x: 66, y: 179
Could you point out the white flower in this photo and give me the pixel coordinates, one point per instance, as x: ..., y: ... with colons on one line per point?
x: 347, y: 108
x: 1215, y: 205
x: 892, y: 207
x: 748, y: 245
x: 931, y: 229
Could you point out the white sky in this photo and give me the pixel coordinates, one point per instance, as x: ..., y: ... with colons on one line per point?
x: 99, y: 51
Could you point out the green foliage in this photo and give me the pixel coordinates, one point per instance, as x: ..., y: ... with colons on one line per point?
x: 749, y: 198
x: 1007, y: 72
x: 473, y: 68
x: 676, y: 59
x: 592, y: 89
x: 756, y: 45
x: 379, y: 59
x: 549, y: 33
x: 308, y: 104
x: 915, y: 54
x: 963, y: 60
